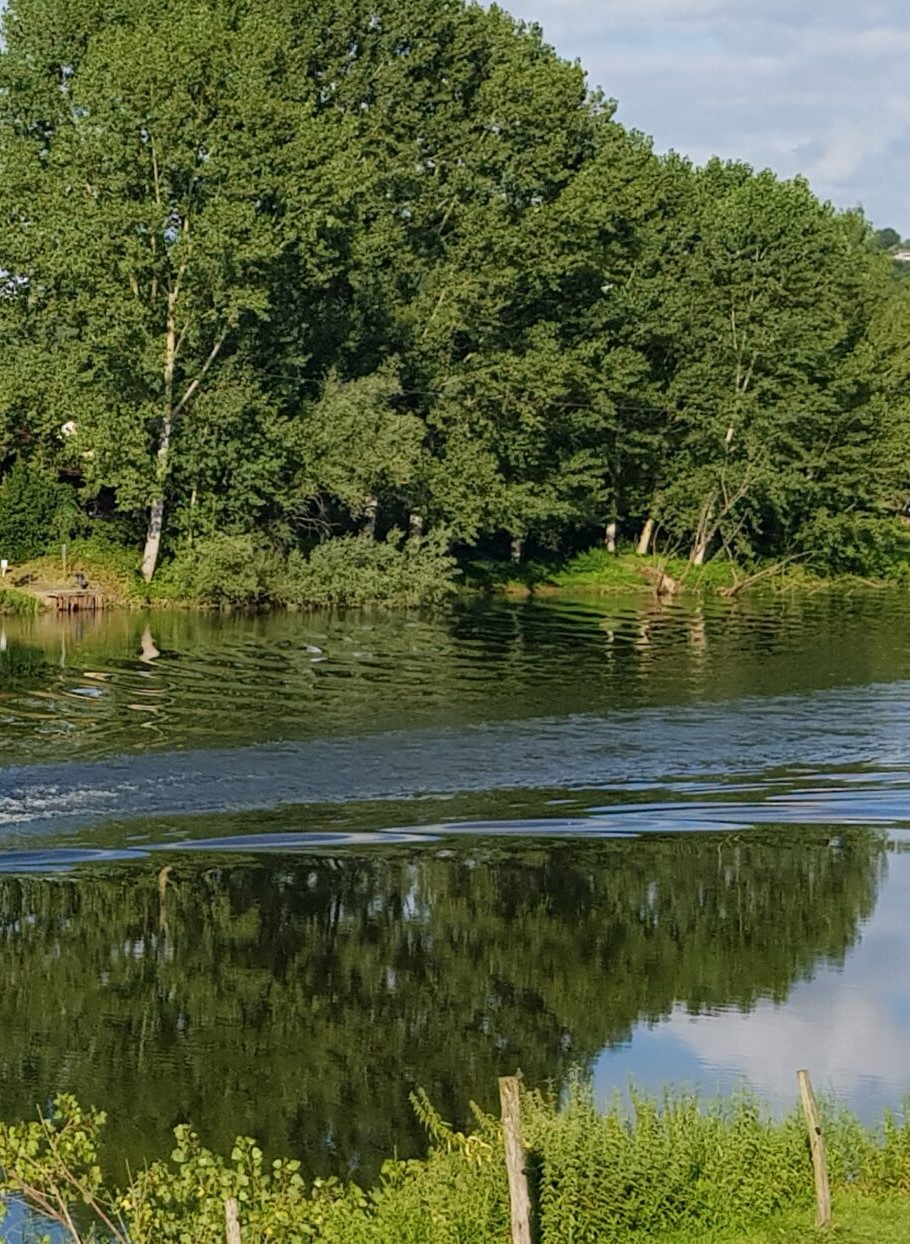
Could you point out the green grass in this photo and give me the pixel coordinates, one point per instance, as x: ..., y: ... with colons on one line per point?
x: 597, y: 571
x: 625, y: 571
x: 14, y: 603
x: 594, y: 570
x: 857, y: 1220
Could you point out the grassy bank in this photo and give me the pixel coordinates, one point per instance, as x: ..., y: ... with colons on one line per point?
x: 232, y: 572
x: 111, y: 570
x: 17, y: 604
x: 596, y: 571
x: 677, y: 1171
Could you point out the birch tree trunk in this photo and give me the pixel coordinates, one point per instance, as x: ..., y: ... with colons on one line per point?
x: 704, y: 533
x: 647, y: 535
x: 156, y: 511
x: 370, y: 514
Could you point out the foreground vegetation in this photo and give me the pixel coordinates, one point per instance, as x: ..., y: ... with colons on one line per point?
x: 283, y: 281
x: 673, y: 1170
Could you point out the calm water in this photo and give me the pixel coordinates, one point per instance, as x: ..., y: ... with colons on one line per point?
x: 410, y: 849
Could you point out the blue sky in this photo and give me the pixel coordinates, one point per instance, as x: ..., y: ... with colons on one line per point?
x: 849, y: 1024
x: 819, y: 87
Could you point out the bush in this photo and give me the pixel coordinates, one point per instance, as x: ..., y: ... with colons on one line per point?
x: 17, y: 604
x: 842, y: 544
x: 353, y: 570
x: 35, y: 512
x: 225, y: 571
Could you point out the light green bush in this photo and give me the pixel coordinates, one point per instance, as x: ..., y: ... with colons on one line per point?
x: 353, y: 570
x: 237, y: 571
x: 225, y: 571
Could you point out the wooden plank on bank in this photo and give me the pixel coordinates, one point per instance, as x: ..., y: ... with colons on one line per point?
x: 76, y: 601
x: 519, y: 1193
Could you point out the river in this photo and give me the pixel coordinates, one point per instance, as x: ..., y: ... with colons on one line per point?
x: 270, y: 874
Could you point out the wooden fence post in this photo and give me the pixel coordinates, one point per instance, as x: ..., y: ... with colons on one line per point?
x: 519, y: 1194
x: 232, y: 1221
x: 817, y: 1145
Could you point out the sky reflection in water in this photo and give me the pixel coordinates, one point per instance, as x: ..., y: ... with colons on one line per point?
x: 411, y: 850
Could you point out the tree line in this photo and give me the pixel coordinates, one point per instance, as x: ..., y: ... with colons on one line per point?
x: 283, y: 276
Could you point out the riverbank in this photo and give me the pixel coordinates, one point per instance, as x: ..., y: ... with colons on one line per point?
x: 677, y: 1171
x: 598, y: 572
x: 232, y: 574
x: 18, y: 604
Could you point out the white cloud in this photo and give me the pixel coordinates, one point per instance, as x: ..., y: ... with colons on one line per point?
x: 833, y: 1038
x: 798, y: 86
x: 849, y: 1025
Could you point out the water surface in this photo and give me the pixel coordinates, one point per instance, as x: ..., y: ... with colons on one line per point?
x: 409, y: 850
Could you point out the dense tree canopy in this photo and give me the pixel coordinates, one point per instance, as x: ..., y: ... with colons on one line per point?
x: 282, y: 272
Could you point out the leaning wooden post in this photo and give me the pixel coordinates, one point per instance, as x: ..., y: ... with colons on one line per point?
x: 232, y: 1221
x: 817, y: 1145
x: 519, y: 1195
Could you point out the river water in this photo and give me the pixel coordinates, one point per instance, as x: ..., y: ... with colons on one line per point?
x: 270, y: 874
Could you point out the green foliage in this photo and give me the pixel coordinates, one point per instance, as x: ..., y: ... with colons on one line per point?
x: 886, y: 239
x: 285, y: 304
x: 35, y: 512
x: 674, y: 1167
x: 18, y: 604
x: 355, y: 570
x: 360, y: 441
x: 672, y: 1164
x: 238, y: 571
x: 851, y: 544
x: 226, y: 570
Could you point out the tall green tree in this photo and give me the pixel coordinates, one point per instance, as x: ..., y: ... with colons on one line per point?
x: 147, y: 221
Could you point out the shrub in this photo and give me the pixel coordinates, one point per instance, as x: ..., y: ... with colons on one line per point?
x: 353, y: 570
x: 35, y: 512
x: 848, y: 543
x: 17, y: 604
x: 225, y: 571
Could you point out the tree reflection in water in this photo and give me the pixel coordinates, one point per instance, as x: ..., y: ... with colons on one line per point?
x: 300, y: 998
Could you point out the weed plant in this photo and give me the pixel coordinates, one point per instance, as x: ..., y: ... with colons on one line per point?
x: 647, y: 1170
x: 17, y: 604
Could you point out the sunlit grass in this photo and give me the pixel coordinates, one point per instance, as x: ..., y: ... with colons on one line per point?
x: 857, y: 1220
